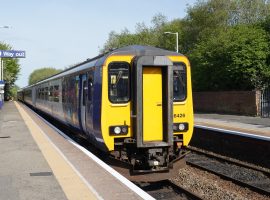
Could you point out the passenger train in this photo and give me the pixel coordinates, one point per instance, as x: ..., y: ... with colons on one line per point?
x: 134, y: 102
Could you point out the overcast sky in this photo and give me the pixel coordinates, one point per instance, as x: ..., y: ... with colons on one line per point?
x: 59, y: 33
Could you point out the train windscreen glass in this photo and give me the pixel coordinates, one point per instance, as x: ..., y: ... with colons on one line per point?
x: 119, y: 82
x: 179, y: 82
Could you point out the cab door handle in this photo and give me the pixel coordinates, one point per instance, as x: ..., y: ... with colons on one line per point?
x: 159, y: 104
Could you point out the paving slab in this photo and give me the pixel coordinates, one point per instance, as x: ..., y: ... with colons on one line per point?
x: 24, y: 172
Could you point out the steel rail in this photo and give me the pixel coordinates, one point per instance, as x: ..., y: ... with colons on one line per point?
x: 228, y: 159
x: 228, y: 177
x: 172, y: 190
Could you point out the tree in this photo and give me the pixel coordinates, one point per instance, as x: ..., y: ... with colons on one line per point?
x: 40, y: 74
x: 227, y: 42
x: 143, y: 35
x: 208, y: 18
x: 233, y: 60
x: 11, y: 71
x: 266, y: 26
x: 249, y: 11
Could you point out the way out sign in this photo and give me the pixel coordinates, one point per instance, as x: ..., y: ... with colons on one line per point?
x: 12, y: 54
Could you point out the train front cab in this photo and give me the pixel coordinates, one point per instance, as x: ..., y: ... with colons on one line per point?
x: 146, y: 125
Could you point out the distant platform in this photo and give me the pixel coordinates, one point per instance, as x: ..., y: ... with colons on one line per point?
x: 244, y: 124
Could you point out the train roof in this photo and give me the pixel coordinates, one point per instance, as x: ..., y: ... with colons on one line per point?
x: 139, y: 50
x: 136, y: 50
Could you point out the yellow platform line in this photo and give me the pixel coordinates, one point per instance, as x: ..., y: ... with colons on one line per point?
x: 71, y: 183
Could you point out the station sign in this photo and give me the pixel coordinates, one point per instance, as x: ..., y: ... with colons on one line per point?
x: 2, y: 85
x: 12, y: 54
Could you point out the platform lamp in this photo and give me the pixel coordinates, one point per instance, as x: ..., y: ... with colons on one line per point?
x: 2, y: 84
x: 1, y: 61
x: 176, y: 33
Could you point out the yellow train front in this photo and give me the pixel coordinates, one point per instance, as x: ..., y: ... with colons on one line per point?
x: 147, y: 110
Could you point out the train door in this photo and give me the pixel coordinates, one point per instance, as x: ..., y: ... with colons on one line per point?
x: 83, y: 100
x: 153, y: 101
x: 152, y: 104
x: 89, y: 102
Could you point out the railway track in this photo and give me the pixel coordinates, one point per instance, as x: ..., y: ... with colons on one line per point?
x: 248, y: 148
x: 246, y: 175
x: 166, y: 190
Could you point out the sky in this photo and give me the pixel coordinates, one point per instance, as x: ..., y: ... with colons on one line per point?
x: 60, y: 33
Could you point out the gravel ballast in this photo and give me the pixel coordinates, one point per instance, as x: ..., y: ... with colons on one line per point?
x: 212, y: 187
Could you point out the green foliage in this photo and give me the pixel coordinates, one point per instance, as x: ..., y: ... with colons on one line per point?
x: 143, y: 35
x: 266, y: 24
x: 11, y: 92
x: 203, y: 19
x: 11, y: 70
x: 249, y: 11
x: 208, y: 18
x: 235, y: 59
x: 226, y: 48
x: 40, y: 74
x: 168, y: 41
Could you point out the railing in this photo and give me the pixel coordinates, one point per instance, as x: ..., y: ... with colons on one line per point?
x: 265, y: 103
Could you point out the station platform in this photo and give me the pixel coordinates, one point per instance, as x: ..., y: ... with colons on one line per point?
x: 39, y: 163
x: 244, y: 124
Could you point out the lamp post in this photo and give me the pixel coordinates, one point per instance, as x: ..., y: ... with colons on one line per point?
x: 1, y: 61
x: 2, y: 83
x: 5, y: 27
x: 176, y: 33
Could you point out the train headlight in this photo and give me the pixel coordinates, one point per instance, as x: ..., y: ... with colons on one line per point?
x: 118, y: 130
x: 175, y: 127
x: 180, y: 127
x: 124, y: 130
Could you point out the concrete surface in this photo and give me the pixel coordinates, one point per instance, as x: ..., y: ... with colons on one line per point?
x: 24, y: 173
x: 254, y: 125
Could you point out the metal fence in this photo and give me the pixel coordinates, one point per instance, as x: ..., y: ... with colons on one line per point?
x: 265, y: 103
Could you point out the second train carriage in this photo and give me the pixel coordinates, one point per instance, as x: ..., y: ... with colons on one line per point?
x: 134, y: 102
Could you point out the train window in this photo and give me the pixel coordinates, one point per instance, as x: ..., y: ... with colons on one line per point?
x: 64, y: 93
x: 90, y: 85
x: 56, y: 93
x: 46, y: 93
x: 42, y: 93
x: 51, y: 94
x: 179, y: 82
x: 119, y: 82
x: 84, y: 87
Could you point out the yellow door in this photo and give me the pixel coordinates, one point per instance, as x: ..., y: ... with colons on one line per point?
x: 152, y: 104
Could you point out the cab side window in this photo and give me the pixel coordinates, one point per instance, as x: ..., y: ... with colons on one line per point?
x: 119, y: 82
x: 179, y: 82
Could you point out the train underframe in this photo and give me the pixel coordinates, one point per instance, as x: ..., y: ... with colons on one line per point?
x: 154, y: 163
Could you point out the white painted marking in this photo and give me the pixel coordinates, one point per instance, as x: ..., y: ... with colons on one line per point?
x: 234, y: 132
x: 114, y: 173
